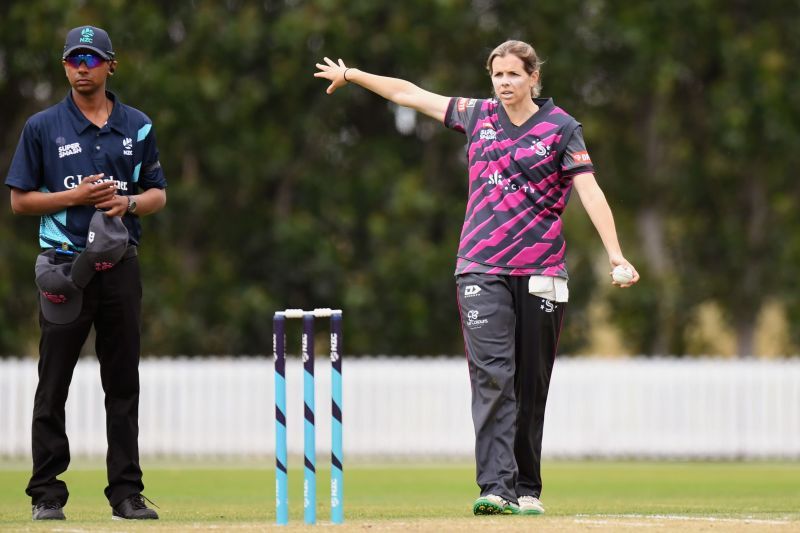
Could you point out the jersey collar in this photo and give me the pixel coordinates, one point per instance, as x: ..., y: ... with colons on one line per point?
x: 546, y: 105
x: 81, y: 123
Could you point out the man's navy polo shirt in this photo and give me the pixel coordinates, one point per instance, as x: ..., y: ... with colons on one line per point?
x: 59, y: 146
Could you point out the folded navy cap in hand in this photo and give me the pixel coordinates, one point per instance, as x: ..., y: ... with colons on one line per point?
x: 106, y: 243
x: 61, y: 299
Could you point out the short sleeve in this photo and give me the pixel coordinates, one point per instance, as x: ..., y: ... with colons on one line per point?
x: 575, y: 159
x: 460, y: 112
x: 151, y: 174
x: 25, y: 172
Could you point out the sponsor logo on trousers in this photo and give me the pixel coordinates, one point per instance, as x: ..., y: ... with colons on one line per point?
x: 473, y: 322
x: 548, y: 306
x: 471, y: 290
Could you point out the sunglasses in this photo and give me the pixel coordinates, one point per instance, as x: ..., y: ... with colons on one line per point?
x: 91, y: 60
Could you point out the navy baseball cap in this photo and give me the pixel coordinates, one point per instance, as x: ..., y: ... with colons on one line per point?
x: 60, y: 298
x: 106, y: 243
x: 89, y: 38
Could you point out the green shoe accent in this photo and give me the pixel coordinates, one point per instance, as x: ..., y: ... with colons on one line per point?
x: 483, y: 506
x: 493, y: 505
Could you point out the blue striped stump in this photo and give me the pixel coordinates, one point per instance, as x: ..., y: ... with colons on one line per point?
x: 281, y: 474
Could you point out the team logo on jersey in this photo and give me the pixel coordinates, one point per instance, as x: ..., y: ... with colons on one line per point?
x: 69, y: 149
x: 488, y: 133
x: 471, y: 290
x: 127, y: 146
x: 541, y: 149
x: 582, y: 158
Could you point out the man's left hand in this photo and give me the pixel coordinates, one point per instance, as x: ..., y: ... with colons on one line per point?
x: 115, y: 207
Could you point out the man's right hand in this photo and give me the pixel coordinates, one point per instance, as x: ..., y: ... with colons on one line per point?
x: 92, y: 190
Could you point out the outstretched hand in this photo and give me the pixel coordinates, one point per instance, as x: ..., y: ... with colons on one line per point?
x: 333, y: 72
x: 619, y: 260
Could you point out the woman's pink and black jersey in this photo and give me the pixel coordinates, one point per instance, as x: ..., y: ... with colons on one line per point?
x: 520, y: 178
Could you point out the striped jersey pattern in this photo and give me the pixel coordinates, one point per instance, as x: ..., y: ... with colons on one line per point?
x: 520, y: 178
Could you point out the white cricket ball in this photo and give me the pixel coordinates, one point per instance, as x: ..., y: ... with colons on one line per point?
x: 621, y: 275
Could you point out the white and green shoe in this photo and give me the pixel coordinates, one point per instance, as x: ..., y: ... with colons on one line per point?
x: 493, y: 504
x: 530, y: 505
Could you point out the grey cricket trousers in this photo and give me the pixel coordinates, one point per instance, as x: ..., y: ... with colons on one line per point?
x: 510, y: 339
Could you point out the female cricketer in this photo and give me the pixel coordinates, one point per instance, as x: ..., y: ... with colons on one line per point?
x: 525, y: 154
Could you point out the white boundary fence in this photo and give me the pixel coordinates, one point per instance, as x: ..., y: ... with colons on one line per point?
x: 643, y: 408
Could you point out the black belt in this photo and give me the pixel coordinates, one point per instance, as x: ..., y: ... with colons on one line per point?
x: 131, y: 251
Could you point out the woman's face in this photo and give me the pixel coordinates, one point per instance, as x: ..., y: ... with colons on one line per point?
x: 511, y: 83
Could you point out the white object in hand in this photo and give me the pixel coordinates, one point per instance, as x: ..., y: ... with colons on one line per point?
x: 621, y: 275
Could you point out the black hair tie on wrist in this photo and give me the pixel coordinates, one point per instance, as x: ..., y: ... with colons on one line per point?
x: 345, y: 75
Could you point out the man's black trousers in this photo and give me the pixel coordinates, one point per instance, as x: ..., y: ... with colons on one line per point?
x: 112, y: 303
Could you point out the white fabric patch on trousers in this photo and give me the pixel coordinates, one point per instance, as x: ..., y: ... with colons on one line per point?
x: 549, y: 288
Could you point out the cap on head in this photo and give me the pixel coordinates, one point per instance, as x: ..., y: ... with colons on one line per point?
x: 106, y: 243
x: 60, y: 299
x: 89, y: 38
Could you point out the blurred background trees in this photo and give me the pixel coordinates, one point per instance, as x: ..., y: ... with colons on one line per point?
x: 282, y: 196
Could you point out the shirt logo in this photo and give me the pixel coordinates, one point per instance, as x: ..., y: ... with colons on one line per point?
x: 70, y: 182
x: 90, y: 238
x: 582, y: 157
x: 471, y: 290
x: 87, y: 35
x: 127, y: 146
x: 540, y: 148
x: 508, y: 185
x: 69, y: 149
x: 464, y: 103
x: 488, y: 132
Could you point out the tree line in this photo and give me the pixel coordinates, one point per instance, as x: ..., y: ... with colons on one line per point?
x: 282, y: 196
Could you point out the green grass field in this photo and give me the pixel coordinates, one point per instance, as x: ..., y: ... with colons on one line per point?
x: 433, y: 497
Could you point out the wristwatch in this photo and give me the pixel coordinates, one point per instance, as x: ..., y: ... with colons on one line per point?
x: 131, y: 205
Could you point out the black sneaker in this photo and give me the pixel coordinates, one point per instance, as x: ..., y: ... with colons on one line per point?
x: 133, y: 508
x: 49, y: 510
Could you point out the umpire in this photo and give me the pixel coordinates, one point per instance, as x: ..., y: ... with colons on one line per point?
x: 87, y: 153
